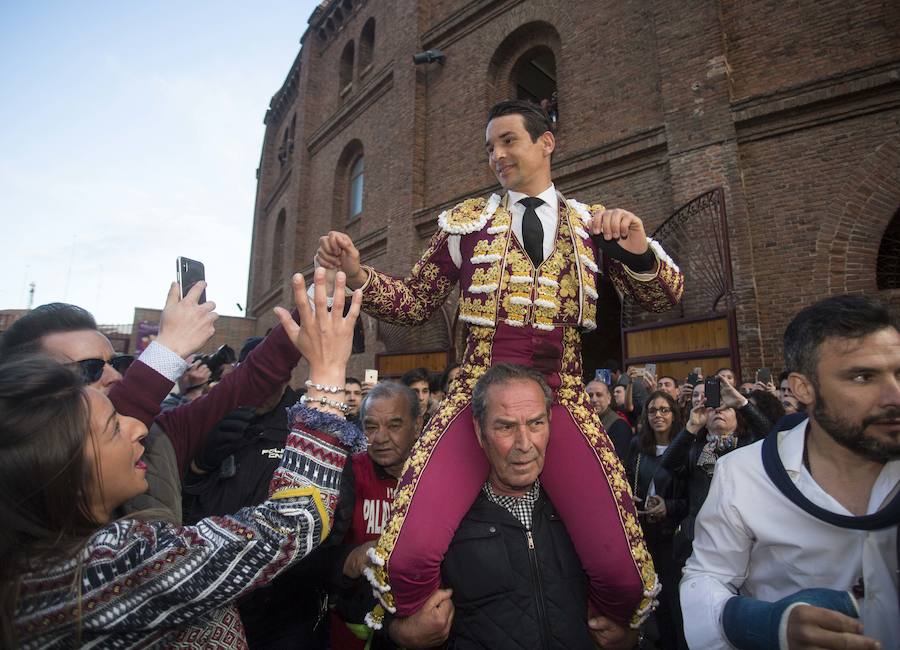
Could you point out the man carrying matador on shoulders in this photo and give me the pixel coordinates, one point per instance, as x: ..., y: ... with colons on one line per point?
x: 527, y: 266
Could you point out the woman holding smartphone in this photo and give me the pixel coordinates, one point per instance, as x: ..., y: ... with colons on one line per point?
x: 661, y: 504
x: 709, y: 434
x: 72, y: 576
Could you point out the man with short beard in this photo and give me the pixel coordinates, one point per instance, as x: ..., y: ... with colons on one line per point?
x: 803, y: 525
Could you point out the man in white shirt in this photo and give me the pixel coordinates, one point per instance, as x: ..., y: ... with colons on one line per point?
x: 813, y: 510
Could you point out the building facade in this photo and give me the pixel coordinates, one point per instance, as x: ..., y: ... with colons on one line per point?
x: 761, y: 138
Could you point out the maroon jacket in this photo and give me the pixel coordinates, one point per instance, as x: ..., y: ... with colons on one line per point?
x: 178, y: 435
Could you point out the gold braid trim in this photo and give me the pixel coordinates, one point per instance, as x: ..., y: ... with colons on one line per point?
x: 572, y: 396
x: 459, y: 397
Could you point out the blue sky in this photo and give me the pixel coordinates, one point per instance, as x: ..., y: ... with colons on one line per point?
x: 130, y: 133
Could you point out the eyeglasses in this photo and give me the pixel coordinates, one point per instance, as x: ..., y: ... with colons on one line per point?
x: 92, y: 369
x: 662, y: 410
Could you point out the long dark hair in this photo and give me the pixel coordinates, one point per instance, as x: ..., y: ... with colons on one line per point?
x: 44, y: 476
x: 646, y: 437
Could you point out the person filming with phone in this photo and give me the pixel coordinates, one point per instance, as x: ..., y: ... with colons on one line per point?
x: 712, y: 430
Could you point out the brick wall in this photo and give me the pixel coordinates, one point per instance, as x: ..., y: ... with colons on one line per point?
x: 230, y: 330
x: 793, y: 108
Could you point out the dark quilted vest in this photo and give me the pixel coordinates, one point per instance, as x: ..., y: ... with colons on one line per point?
x: 507, y: 598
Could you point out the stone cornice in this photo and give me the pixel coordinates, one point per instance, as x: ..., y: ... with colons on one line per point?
x: 279, y: 189
x: 839, y: 97
x: 465, y: 21
x: 284, y: 98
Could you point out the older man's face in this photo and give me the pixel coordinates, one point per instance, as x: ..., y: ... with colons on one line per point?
x: 515, y: 435
x: 598, y: 392
x: 390, y: 431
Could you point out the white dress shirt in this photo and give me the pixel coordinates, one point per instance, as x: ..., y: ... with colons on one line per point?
x: 751, y: 539
x: 548, y: 214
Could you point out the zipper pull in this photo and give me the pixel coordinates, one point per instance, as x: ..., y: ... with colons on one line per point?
x: 530, y: 540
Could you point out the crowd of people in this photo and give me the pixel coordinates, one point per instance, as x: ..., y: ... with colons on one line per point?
x: 669, y: 455
x: 513, y: 500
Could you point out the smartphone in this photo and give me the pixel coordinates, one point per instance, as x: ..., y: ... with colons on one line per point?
x: 693, y: 378
x: 764, y: 375
x: 371, y: 376
x: 190, y: 272
x: 650, y: 368
x: 603, y: 374
x: 712, y: 389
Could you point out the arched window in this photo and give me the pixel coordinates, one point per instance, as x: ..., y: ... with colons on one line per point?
x: 525, y: 66
x: 534, y: 78
x: 357, y: 175
x: 287, y: 143
x: 278, y: 248
x: 366, y: 46
x: 887, y: 267
x: 345, y: 79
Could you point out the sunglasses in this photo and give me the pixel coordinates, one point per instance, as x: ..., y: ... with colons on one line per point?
x: 92, y: 369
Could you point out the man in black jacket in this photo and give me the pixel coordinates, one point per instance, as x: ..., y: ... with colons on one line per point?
x: 618, y: 430
x: 515, y: 579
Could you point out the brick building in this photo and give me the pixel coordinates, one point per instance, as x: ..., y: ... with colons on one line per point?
x: 230, y: 330
x: 761, y: 137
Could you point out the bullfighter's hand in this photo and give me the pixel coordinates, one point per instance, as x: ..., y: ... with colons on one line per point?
x: 620, y: 226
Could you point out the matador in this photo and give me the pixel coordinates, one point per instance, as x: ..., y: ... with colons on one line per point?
x: 527, y: 267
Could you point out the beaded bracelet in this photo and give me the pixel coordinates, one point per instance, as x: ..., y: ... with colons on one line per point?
x: 343, y: 407
x: 325, y: 388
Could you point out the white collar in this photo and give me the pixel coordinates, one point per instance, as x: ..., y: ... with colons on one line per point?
x: 790, y: 447
x: 548, y: 196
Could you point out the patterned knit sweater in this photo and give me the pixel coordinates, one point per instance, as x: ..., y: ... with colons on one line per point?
x: 142, y: 584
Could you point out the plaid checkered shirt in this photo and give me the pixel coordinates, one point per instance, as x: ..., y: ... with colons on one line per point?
x: 521, y: 507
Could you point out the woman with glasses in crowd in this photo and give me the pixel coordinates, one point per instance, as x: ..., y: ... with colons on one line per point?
x: 709, y: 434
x: 72, y: 576
x: 660, y: 503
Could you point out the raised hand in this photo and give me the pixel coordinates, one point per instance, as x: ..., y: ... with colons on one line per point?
x: 731, y: 397
x: 621, y: 226
x: 324, y: 337
x: 337, y: 251
x: 185, y: 325
x: 698, y: 419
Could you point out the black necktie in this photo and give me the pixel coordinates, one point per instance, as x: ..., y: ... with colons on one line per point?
x: 532, y: 230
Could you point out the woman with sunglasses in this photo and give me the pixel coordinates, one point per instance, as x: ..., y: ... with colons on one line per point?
x: 660, y: 503
x: 71, y: 575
